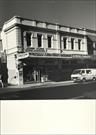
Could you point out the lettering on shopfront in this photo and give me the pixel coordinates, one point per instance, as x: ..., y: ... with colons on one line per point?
x: 41, y: 52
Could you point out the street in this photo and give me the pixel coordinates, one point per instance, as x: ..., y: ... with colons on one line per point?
x: 86, y: 90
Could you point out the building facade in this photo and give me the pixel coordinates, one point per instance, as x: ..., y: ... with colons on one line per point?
x: 3, y: 64
x: 40, y: 51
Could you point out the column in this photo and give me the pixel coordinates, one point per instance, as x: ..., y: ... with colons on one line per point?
x: 19, y: 72
x: 62, y: 47
x: 58, y: 42
x: 84, y: 46
x: 31, y: 39
x: 68, y: 45
x: 24, y: 41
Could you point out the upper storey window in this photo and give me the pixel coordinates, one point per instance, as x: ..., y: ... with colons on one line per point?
x: 64, y: 42
x: 72, y: 43
x: 28, y: 39
x: 39, y: 37
x: 79, y: 44
x: 49, y: 41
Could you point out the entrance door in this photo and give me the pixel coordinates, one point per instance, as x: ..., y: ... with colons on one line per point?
x: 27, y: 73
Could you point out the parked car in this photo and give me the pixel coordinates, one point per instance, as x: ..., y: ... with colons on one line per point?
x: 83, y: 74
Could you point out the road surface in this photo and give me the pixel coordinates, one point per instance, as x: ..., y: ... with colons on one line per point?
x: 62, y: 90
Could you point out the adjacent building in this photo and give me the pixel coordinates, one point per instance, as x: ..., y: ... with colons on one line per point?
x: 3, y: 63
x: 40, y: 51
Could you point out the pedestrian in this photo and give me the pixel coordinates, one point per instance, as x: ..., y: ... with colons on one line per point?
x: 4, y: 78
x: 1, y: 83
x: 34, y: 76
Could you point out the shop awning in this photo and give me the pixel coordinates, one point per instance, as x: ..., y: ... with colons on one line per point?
x: 47, y: 55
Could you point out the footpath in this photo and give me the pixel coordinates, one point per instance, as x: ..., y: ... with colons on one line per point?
x: 34, y: 86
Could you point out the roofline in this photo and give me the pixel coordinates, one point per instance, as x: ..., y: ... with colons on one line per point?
x: 60, y: 25
x: 89, y: 30
x: 36, y: 28
x: 49, y: 23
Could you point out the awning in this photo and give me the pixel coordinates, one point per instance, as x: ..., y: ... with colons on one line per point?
x: 92, y: 38
x: 22, y: 56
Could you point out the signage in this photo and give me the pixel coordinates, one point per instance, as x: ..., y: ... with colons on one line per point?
x: 51, y: 55
x: 23, y: 55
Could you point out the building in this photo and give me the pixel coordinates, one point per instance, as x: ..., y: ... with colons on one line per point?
x: 38, y: 51
x: 3, y: 63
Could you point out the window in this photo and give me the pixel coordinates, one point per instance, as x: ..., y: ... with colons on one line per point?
x: 72, y: 43
x: 79, y: 44
x: 49, y: 41
x: 83, y: 71
x: 88, y: 71
x: 76, y: 71
x: 39, y: 40
x: 28, y: 39
x: 64, y: 41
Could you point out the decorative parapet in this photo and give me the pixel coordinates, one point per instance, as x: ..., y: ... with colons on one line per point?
x: 17, y: 20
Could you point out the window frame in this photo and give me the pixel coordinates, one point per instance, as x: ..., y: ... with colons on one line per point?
x: 72, y: 43
x: 49, y: 45
x: 28, y: 39
x: 64, y: 42
x: 79, y: 44
x: 39, y: 40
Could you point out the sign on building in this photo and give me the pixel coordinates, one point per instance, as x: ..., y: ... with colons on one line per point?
x: 22, y: 55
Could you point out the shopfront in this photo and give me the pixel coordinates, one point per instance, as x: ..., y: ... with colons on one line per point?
x: 43, y: 68
x: 46, y: 69
x: 34, y: 70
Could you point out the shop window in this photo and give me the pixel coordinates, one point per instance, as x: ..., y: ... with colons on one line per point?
x: 79, y: 44
x: 72, y: 43
x: 39, y: 37
x: 64, y: 41
x: 28, y: 39
x: 49, y: 41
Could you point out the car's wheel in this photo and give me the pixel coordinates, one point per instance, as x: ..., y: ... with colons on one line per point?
x: 84, y: 79
x: 94, y: 79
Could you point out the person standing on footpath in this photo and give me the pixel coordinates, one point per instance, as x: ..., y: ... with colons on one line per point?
x: 1, y: 83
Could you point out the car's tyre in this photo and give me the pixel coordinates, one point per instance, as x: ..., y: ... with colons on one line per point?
x: 84, y: 79
x: 0, y: 85
x: 94, y: 79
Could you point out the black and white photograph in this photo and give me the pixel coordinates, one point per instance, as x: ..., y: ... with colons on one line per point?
x: 47, y: 49
x: 47, y: 67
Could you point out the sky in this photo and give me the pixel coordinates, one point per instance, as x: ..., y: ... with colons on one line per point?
x: 74, y: 13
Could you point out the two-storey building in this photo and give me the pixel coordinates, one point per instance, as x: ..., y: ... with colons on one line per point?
x: 39, y: 50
